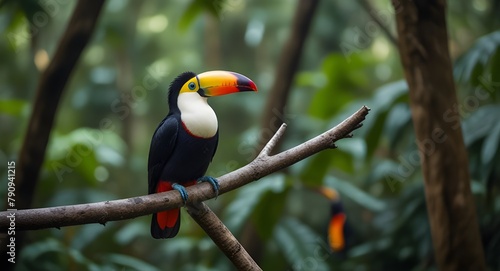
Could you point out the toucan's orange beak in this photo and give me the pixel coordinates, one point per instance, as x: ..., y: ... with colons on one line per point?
x: 217, y: 83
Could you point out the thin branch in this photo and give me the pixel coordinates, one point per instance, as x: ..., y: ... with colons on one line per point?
x: 221, y: 236
x: 370, y: 10
x: 288, y: 63
x: 268, y: 148
x: 103, y: 212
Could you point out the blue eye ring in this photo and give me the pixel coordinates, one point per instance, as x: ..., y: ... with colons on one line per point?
x: 192, y: 86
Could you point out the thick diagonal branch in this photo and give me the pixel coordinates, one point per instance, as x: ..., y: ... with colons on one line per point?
x: 287, y: 66
x: 367, y: 6
x: 219, y: 233
x: 221, y: 236
x: 102, y: 212
x: 49, y: 91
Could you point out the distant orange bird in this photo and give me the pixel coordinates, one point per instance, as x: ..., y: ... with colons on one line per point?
x: 338, y: 229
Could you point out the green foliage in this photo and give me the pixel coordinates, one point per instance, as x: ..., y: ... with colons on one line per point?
x: 13, y: 107
x: 385, y: 98
x: 301, y: 246
x: 337, y: 85
x: 263, y: 193
x: 384, y: 182
x: 196, y: 7
x: 482, y: 57
x: 119, y: 261
x: 363, y: 199
x: 51, y: 254
x: 482, y: 135
x: 269, y: 209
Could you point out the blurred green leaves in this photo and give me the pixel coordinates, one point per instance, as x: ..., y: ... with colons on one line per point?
x: 302, y: 247
x: 376, y: 173
x: 14, y: 107
x: 482, y: 57
x: 257, y: 199
x: 196, y: 7
x: 83, y: 150
x: 51, y: 254
x: 120, y: 261
x: 357, y: 195
x: 338, y: 84
x: 382, y: 103
x: 482, y: 135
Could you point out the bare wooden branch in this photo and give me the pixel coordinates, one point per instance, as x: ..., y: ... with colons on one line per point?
x: 221, y: 236
x: 219, y: 233
x: 268, y: 148
x: 275, y: 109
x: 384, y: 26
x: 103, y: 212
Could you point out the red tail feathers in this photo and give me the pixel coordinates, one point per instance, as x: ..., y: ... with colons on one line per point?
x: 166, y: 224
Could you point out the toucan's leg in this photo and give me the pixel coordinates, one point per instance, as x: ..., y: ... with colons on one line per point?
x: 182, y: 191
x: 214, y: 182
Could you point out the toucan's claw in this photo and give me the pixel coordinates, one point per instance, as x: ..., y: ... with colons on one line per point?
x: 182, y: 191
x: 213, y: 181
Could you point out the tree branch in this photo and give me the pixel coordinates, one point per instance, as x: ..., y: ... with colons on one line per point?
x: 102, y: 212
x: 285, y: 70
x: 287, y: 67
x: 367, y: 6
x: 273, y: 142
x: 49, y: 91
x: 221, y: 236
x: 219, y: 233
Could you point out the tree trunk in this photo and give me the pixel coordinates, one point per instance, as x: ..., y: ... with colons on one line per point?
x: 423, y: 45
x: 48, y: 93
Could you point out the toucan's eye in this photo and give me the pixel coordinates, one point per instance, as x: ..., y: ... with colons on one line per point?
x: 192, y: 86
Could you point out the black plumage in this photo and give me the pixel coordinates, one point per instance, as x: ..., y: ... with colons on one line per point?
x: 176, y: 156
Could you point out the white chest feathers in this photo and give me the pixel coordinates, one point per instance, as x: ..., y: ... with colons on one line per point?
x: 198, y: 117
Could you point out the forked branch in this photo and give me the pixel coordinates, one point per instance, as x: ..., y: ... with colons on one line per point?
x: 103, y: 212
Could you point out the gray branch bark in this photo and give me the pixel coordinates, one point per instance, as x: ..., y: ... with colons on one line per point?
x: 103, y: 212
x: 219, y: 233
x: 222, y: 237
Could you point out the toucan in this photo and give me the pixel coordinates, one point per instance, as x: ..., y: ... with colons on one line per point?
x: 185, y: 141
x: 339, y: 231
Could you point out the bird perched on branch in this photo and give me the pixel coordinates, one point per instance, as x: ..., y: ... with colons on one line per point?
x: 338, y: 228
x: 185, y: 141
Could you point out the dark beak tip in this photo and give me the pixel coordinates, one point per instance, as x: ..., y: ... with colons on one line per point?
x: 244, y: 83
x: 248, y: 86
x: 253, y: 86
x: 245, y: 88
